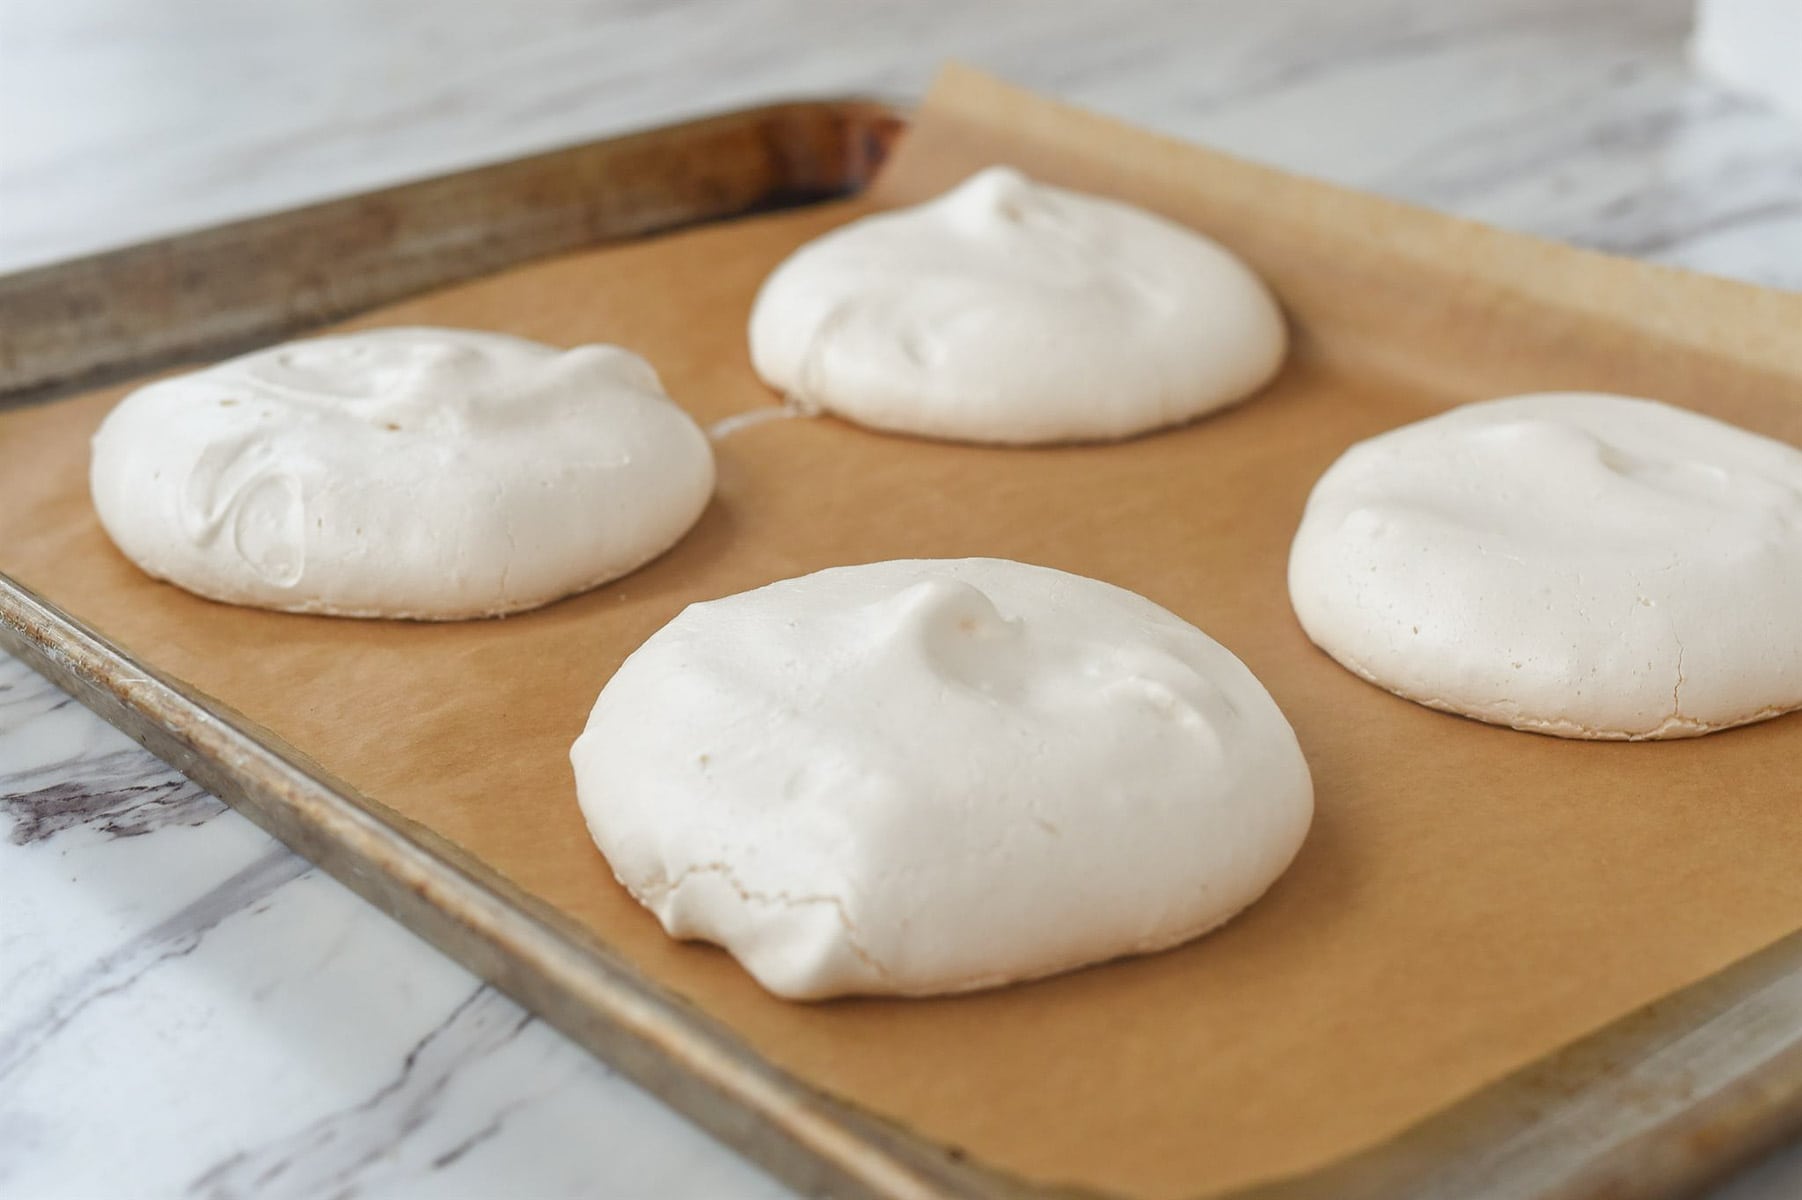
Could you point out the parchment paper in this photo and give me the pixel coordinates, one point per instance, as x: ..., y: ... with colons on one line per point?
x: 1469, y: 899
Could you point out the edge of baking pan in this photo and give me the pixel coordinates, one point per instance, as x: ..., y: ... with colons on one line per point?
x: 209, y: 293
x: 1657, y: 1104
x: 1653, y: 1105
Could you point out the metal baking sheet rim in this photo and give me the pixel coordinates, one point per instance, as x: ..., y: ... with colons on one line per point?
x: 1653, y: 1105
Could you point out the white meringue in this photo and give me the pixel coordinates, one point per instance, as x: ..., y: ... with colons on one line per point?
x: 1578, y: 564
x: 424, y: 473
x: 1011, y: 311
x: 931, y: 776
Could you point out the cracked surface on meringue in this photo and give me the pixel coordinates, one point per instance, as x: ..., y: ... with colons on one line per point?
x: 929, y: 776
x: 1572, y: 563
x: 408, y: 472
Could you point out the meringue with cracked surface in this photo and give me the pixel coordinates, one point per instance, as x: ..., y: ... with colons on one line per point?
x: 936, y: 775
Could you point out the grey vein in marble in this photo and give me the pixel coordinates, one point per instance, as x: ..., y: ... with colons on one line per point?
x: 328, y: 1154
x: 174, y: 937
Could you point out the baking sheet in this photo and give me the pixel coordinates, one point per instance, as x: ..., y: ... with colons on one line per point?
x: 1469, y: 899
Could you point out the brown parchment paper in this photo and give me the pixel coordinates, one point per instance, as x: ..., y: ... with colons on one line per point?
x: 1470, y: 898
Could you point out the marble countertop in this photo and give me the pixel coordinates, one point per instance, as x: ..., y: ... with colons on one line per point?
x: 188, y: 1009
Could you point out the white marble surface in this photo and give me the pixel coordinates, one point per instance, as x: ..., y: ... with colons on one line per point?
x: 186, y: 1008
